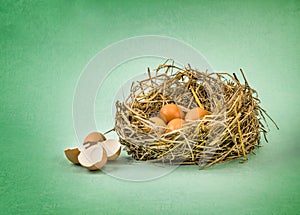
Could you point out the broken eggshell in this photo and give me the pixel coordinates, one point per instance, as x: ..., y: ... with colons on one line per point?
x: 92, y: 156
x: 94, y: 137
x: 72, y: 155
x: 112, y: 148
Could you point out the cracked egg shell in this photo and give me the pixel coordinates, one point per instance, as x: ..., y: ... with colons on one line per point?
x: 93, y: 157
x: 94, y: 137
x: 72, y: 155
x: 112, y: 148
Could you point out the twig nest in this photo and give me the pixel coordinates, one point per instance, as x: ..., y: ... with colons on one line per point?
x: 217, y: 118
x: 92, y: 156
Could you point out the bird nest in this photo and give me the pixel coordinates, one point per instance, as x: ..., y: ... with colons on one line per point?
x: 232, y: 129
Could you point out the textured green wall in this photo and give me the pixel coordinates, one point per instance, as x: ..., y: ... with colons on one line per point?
x: 44, y: 46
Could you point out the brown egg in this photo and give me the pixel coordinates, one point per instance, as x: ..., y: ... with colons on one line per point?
x: 72, y: 155
x: 170, y: 111
x: 94, y: 137
x: 159, y: 123
x: 196, y: 114
x: 174, y: 124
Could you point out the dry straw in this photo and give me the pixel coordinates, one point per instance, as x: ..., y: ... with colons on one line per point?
x: 232, y: 130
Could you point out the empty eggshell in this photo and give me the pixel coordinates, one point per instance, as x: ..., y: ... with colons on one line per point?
x: 94, y: 137
x: 112, y: 148
x: 72, y: 155
x: 93, y: 157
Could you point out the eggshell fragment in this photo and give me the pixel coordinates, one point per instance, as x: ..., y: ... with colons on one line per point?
x: 72, y: 155
x: 112, y: 148
x: 93, y: 157
x: 94, y: 137
x: 170, y: 111
x: 196, y: 114
x: 174, y: 124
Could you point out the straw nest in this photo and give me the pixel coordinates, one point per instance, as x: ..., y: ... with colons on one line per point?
x: 232, y: 130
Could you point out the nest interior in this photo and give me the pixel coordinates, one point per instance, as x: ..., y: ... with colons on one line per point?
x: 232, y: 130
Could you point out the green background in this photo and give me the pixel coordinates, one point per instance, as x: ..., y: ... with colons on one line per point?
x: 46, y: 44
